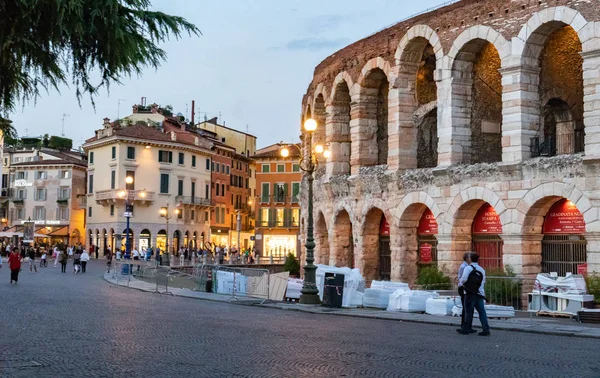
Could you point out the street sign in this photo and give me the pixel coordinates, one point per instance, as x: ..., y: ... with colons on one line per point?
x: 425, y: 253
x: 128, y: 214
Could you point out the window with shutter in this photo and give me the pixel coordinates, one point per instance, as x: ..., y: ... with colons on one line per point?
x: 113, y: 179
x: 164, y: 183
x: 264, y: 195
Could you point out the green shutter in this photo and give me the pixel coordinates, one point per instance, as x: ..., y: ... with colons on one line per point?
x: 286, y: 192
x: 170, y: 156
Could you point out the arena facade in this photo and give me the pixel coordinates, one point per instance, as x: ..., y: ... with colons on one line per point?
x: 475, y: 126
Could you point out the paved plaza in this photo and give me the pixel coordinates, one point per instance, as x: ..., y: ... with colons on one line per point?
x: 67, y: 325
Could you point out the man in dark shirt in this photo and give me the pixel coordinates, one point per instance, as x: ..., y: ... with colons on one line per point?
x: 31, y: 254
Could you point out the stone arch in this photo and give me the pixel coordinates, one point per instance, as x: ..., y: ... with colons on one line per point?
x: 418, y: 56
x: 404, y: 260
x: 342, y: 241
x: 321, y: 240
x: 457, y: 216
x: 535, y: 204
x: 419, y: 198
x: 370, y: 134
x: 409, y: 44
x: 321, y: 90
x: 369, y: 261
x: 532, y: 36
x: 531, y: 212
x: 338, y: 126
x: 548, y: 49
x: 474, y: 61
x: 341, y: 77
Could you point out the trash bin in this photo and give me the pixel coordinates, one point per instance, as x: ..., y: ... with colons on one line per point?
x: 333, y: 290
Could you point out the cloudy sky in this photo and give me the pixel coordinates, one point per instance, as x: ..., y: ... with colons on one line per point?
x: 252, y: 65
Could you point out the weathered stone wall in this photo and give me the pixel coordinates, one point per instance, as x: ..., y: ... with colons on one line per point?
x: 493, y: 73
x: 507, y: 17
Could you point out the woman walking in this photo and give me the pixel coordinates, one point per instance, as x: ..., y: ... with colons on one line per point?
x: 64, y: 257
x: 84, y: 259
x: 14, y: 263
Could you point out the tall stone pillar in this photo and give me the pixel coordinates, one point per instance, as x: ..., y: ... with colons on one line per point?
x: 522, y: 253
x: 593, y: 252
x: 520, y: 111
x: 402, y: 104
x: 450, y: 250
x: 404, y: 254
x: 363, y: 129
x: 338, y: 137
x: 452, y: 135
x: 591, y: 98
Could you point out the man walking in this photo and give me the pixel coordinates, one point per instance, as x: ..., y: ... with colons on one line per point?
x: 31, y: 254
x: 473, y: 282
x: 461, y: 290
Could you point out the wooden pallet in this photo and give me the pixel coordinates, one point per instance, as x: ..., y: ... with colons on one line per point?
x: 589, y: 317
x: 555, y: 314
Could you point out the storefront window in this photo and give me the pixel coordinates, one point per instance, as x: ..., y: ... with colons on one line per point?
x: 280, y: 245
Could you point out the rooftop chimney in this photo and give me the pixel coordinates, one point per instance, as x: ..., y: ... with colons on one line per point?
x: 193, y: 111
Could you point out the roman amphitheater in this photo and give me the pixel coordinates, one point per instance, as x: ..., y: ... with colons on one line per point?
x: 475, y: 126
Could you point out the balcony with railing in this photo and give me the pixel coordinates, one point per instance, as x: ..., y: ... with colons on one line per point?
x: 242, y: 207
x: 565, y: 144
x: 279, y: 200
x: 190, y: 201
x: 105, y: 197
x: 286, y: 223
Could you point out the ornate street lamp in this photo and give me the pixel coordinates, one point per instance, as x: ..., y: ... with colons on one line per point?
x: 308, y: 164
x: 164, y: 213
x: 129, y: 196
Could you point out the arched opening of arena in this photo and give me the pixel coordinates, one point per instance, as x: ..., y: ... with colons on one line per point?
x: 186, y: 240
x: 477, y: 102
x: 564, y: 248
x: 425, y: 116
x: 418, y: 242
x: 377, y: 259
x: 321, y: 240
x: 486, y: 231
x: 338, y: 130
x: 343, y: 242
x: 374, y: 100
x: 560, y: 90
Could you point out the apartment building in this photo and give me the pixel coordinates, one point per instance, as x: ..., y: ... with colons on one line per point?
x: 277, y: 196
x: 46, y: 186
x: 169, y: 167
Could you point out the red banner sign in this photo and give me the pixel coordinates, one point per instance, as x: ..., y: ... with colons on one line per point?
x: 384, y: 227
x: 564, y: 218
x: 582, y: 269
x: 487, y: 221
x: 425, y: 253
x: 428, y: 224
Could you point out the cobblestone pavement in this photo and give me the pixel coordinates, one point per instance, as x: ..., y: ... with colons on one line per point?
x: 67, y: 325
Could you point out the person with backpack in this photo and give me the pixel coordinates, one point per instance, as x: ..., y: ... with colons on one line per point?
x: 461, y: 290
x: 473, y: 283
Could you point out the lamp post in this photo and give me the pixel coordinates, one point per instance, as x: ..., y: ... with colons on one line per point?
x: 164, y: 213
x: 308, y: 164
x: 129, y: 196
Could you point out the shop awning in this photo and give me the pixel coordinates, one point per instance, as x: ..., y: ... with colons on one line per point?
x: 63, y: 231
x: 6, y: 234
